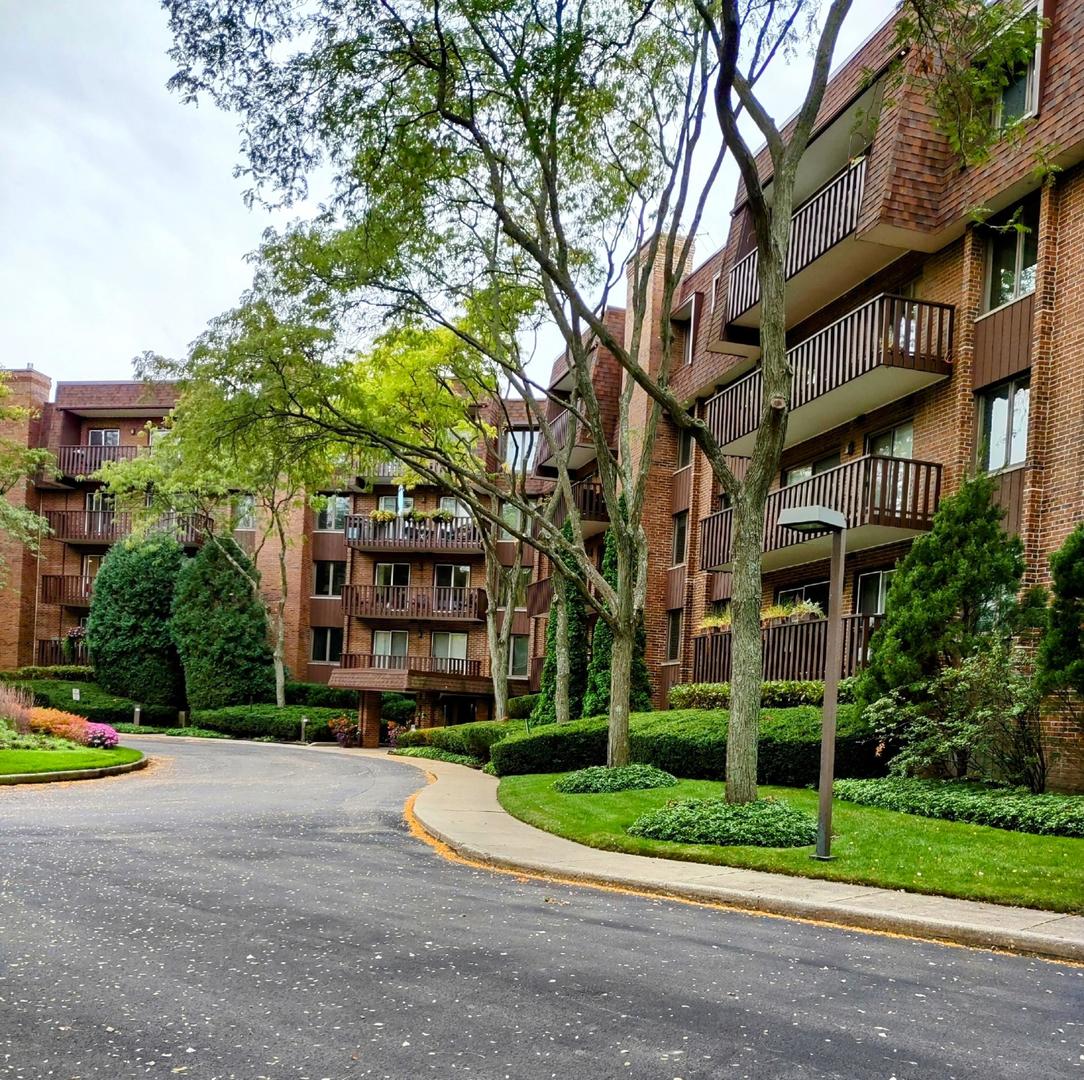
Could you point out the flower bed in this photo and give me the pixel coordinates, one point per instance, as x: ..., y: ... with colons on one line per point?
x: 65, y: 725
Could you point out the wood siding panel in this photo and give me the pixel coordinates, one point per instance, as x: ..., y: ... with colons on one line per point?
x: 675, y: 587
x: 1003, y: 342
x: 1009, y: 494
x: 682, y: 490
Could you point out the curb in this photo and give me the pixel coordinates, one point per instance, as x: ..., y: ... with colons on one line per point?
x: 840, y: 914
x: 12, y: 779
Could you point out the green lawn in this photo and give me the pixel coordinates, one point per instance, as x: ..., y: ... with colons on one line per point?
x: 38, y: 761
x: 873, y: 847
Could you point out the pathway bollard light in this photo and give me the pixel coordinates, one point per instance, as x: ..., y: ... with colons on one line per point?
x: 137, y: 713
x: 304, y: 721
x: 814, y: 520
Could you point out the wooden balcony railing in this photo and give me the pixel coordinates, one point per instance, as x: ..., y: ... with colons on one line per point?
x: 108, y: 526
x: 406, y: 602
x: 535, y: 678
x: 539, y: 597
x: 589, y: 502
x: 888, y: 331
x: 890, y: 492
x: 828, y: 217
x: 411, y: 534
x: 85, y: 460
x: 56, y: 651
x: 429, y: 664
x: 71, y: 590
x: 790, y: 650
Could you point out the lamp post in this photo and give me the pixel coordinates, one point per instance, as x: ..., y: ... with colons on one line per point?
x: 822, y: 519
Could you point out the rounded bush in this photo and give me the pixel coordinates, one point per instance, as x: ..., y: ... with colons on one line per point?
x: 764, y: 823
x: 598, y: 779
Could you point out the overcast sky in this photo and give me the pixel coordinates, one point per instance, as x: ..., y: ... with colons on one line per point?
x: 122, y: 227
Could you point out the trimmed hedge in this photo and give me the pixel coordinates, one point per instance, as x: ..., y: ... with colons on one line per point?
x: 95, y: 704
x: 599, y: 779
x: 519, y: 708
x: 188, y: 732
x: 58, y: 672
x: 979, y: 804
x: 778, y: 694
x: 435, y: 754
x: 470, y: 740
x: 320, y: 696
x: 692, y: 744
x: 764, y: 823
x: 253, y: 721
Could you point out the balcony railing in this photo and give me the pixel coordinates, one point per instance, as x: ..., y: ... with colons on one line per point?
x: 85, y: 460
x: 794, y: 650
x: 887, y: 332
x: 405, y: 602
x: 429, y: 664
x: 71, y: 590
x: 828, y: 217
x: 590, y: 503
x: 108, y: 526
x: 58, y: 651
x: 412, y: 534
x: 893, y: 493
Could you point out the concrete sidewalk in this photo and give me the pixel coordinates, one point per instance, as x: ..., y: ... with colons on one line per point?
x: 461, y: 809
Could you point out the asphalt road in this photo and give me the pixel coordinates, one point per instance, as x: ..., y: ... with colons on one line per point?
x: 258, y: 912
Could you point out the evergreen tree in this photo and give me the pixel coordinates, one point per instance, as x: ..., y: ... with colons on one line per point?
x: 956, y: 586
x: 1061, y: 655
x: 545, y: 709
x: 596, y: 699
x: 220, y: 629
x: 128, y: 631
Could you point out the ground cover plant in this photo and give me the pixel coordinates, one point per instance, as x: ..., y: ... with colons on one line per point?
x: 191, y: 732
x: 873, y: 846
x: 436, y: 754
x: 95, y: 703
x: 78, y: 672
x: 982, y: 804
x: 14, y: 762
x: 601, y: 778
x: 764, y: 823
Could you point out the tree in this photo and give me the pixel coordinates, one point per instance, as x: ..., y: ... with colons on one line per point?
x: 128, y: 630
x: 576, y: 132
x: 596, y: 700
x: 956, y: 587
x: 220, y: 629
x: 564, y: 665
x: 1061, y: 654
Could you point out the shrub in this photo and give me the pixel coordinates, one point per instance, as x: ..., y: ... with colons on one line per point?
x: 519, y: 708
x: 764, y: 823
x: 97, y: 705
x: 777, y: 694
x: 980, y: 804
x: 1061, y: 654
x: 692, y: 744
x: 250, y: 721
x: 128, y: 631
x: 66, y: 725
x: 344, y: 730
x: 16, y: 705
x: 396, y: 708
x: 436, y: 754
x: 470, y: 740
x: 191, y: 732
x: 320, y: 696
x: 597, y: 779
x: 76, y: 672
x: 220, y: 626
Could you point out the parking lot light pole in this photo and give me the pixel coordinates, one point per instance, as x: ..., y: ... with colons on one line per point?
x: 821, y: 519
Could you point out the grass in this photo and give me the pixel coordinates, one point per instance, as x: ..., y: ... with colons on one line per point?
x: 13, y: 762
x: 872, y: 846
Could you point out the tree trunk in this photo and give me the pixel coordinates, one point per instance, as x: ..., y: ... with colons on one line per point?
x: 497, y: 640
x: 560, y: 595
x: 279, y: 652
x: 617, y: 746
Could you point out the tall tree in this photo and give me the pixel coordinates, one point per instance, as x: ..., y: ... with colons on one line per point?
x: 1061, y: 654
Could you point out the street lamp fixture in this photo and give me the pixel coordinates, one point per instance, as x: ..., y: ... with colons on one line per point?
x: 822, y: 519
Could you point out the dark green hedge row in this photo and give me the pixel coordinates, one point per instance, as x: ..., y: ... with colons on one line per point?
x: 95, y: 704
x: 979, y: 804
x: 320, y: 695
x: 253, y: 721
x: 70, y: 672
x: 777, y: 694
x: 434, y: 753
x: 692, y: 744
x: 471, y: 740
x: 519, y: 708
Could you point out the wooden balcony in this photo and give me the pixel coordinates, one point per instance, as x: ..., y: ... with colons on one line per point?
x: 580, y: 453
x: 405, y: 602
x: 412, y: 534
x: 83, y: 461
x: 52, y: 651
x: 884, y: 350
x: 817, y: 226
x: 109, y: 526
x: 591, y: 505
x: 792, y: 650
x: 368, y: 671
x: 883, y: 499
x: 539, y: 597
x: 69, y: 590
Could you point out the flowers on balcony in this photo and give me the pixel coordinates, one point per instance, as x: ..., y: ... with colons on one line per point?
x: 383, y: 516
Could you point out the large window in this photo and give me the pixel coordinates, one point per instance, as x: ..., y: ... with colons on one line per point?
x: 1003, y: 424
x: 872, y: 591
x: 519, y: 656
x: 897, y: 442
x: 449, y: 647
x: 681, y: 537
x: 809, y: 469
x: 244, y: 513
x: 673, y: 634
x: 328, y: 578
x: 454, y: 506
x: 392, y: 503
x: 390, y: 642
x: 103, y: 437
x: 450, y: 576
x: 514, y: 517
x: 332, y: 518
x: 1020, y: 93
x: 685, y: 449
x: 388, y: 574
x: 1012, y: 255
x: 816, y: 592
x: 327, y: 644
x: 520, y: 445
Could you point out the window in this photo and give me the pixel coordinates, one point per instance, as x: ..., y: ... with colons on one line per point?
x: 872, y: 590
x: 397, y: 504
x: 1003, y: 424
x: 101, y: 502
x: 454, y: 507
x: 447, y: 576
x: 816, y: 592
x: 391, y: 574
x: 91, y: 565
x: 512, y: 515
x: 690, y: 331
x: 715, y: 290
x: 519, y: 597
x: 685, y: 449
x: 673, y: 634
x: 519, y: 656
x: 327, y: 644
x: 898, y: 442
x: 328, y: 578
x: 1012, y: 255
x: 810, y: 469
x: 333, y: 516
x: 681, y: 536
x: 244, y: 512
x: 390, y: 643
x: 520, y: 445
x: 1019, y: 96
x: 103, y: 437
x: 449, y: 647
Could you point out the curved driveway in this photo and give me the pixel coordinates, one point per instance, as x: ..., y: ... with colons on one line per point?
x: 251, y: 911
